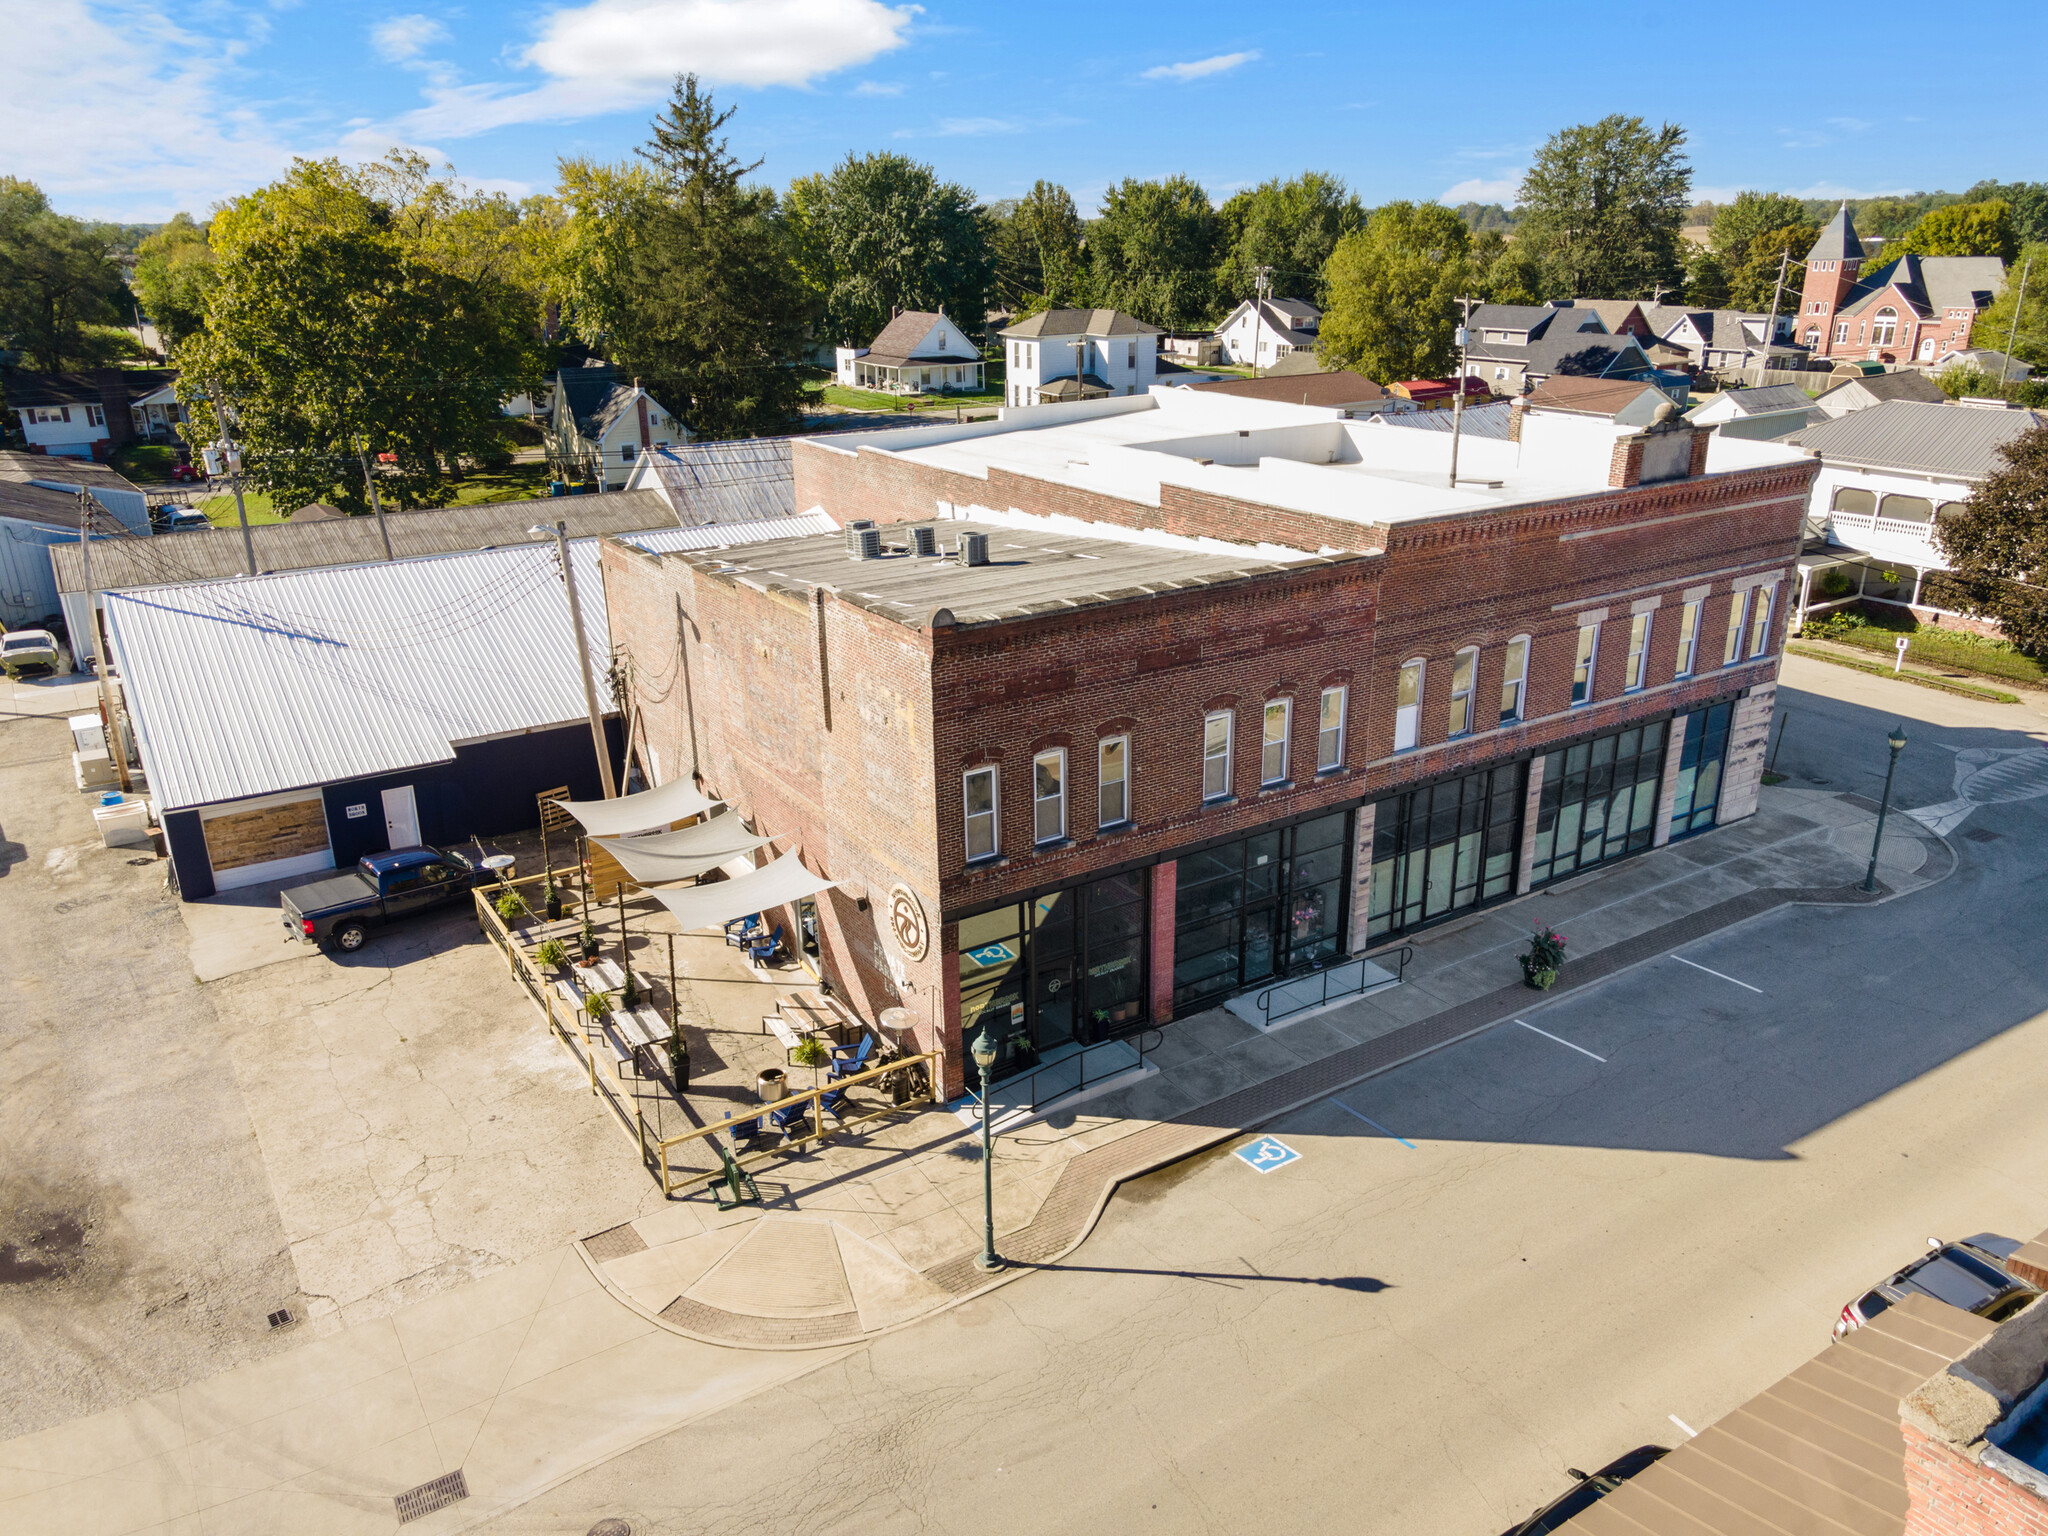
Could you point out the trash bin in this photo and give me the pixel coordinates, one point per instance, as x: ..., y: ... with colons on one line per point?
x: 123, y: 825
x: 770, y: 1085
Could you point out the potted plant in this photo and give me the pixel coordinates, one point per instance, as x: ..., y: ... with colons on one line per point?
x: 678, y: 1056
x: 586, y: 940
x: 552, y: 952
x: 629, y: 994
x: 599, y: 1006
x: 1544, y: 959
x: 551, y: 898
x: 512, y: 906
x: 810, y: 1052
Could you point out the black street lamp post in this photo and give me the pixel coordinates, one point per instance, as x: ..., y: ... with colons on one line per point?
x: 984, y: 1053
x: 1897, y: 742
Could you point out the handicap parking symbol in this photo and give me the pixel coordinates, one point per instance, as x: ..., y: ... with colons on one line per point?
x: 1268, y: 1153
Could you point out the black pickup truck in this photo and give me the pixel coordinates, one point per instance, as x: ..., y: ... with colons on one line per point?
x: 382, y: 886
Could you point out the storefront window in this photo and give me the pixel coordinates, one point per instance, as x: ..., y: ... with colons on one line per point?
x: 1699, y: 768
x: 1258, y: 907
x: 1599, y: 801
x: 1445, y: 847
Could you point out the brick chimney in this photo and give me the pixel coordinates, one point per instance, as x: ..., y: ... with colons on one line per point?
x: 1960, y: 1481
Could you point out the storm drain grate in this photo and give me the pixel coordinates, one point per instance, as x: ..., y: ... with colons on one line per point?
x: 280, y: 1317
x: 611, y: 1525
x: 428, y: 1497
x: 1983, y: 835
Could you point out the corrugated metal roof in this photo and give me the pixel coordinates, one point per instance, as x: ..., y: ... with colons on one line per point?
x: 1491, y: 420
x: 1959, y: 441
x: 216, y: 552
x: 258, y: 685
x: 728, y: 482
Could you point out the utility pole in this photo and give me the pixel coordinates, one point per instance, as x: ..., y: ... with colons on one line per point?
x: 1464, y: 340
x: 232, y: 455
x: 1080, y: 361
x: 376, y: 502
x: 2012, y: 336
x: 1262, y: 286
x: 604, y: 753
x: 1771, y: 323
x: 86, y: 502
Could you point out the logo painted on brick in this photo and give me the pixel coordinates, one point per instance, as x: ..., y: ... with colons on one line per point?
x: 906, y: 922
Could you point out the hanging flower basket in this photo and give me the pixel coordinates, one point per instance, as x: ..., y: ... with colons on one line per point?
x: 1544, y: 959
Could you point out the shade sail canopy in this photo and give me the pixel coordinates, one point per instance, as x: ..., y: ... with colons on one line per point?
x: 650, y: 808
x: 680, y: 855
x: 773, y: 885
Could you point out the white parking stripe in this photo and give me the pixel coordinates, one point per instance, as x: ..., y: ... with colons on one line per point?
x: 1546, y: 1034
x: 1759, y: 991
x: 1690, y: 1432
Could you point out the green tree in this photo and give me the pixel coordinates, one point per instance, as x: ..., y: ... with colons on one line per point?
x: 1503, y: 271
x: 1289, y: 227
x: 1153, y: 250
x: 1740, y: 224
x: 1603, y: 205
x: 173, y: 276
x: 881, y: 232
x: 1706, y: 279
x: 600, y: 217
x: 1961, y: 229
x: 2028, y: 201
x: 1393, y: 289
x: 56, y: 279
x: 1754, y: 283
x: 1997, y: 547
x: 715, y: 314
x: 1037, y: 250
x: 1886, y: 218
x: 1994, y: 328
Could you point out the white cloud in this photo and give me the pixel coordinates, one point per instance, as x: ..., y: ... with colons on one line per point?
x: 1200, y: 69
x: 983, y: 127
x: 1480, y: 189
x: 402, y: 39
x: 877, y: 88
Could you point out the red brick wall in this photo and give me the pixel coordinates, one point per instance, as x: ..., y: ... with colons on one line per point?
x: 1948, y: 1495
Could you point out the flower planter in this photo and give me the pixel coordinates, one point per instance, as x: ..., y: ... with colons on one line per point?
x: 1541, y: 980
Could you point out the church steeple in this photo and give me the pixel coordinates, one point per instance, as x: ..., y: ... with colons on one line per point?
x: 1838, y: 241
x: 1831, y: 269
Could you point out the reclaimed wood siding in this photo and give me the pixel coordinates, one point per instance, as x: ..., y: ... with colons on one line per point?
x: 275, y: 832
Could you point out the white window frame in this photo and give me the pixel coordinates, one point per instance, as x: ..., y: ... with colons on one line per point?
x: 993, y: 816
x: 1638, y: 652
x: 1284, y: 708
x: 95, y: 417
x: 1738, y: 621
x: 1040, y: 838
x: 1218, y: 760
x: 1585, y: 659
x: 1330, y: 738
x: 1688, y: 640
x: 1467, y: 661
x: 1515, y: 677
x: 1122, y: 781
x: 1760, y: 621
x: 1408, y: 717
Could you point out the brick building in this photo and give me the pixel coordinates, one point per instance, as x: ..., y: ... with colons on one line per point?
x: 1130, y: 707
x: 1909, y: 310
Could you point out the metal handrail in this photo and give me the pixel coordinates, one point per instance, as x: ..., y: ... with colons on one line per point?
x: 1401, y: 957
x: 1077, y: 1062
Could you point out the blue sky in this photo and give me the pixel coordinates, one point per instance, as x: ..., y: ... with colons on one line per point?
x: 132, y: 109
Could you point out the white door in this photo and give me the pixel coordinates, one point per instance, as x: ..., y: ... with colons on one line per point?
x: 401, y: 818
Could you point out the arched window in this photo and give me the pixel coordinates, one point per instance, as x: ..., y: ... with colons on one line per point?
x: 1849, y: 499
x: 1886, y: 329
x: 1464, y: 668
x: 1908, y: 509
x: 1408, y: 705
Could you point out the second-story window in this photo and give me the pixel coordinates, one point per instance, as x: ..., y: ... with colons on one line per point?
x: 1330, y: 731
x: 1514, y: 679
x: 1216, y: 732
x: 1464, y: 666
x: 979, y: 786
x: 1049, y: 796
x: 1408, y: 706
x: 1638, y: 653
x: 1731, y: 645
x: 1131, y: 356
x: 1582, y: 666
x: 1273, y: 746
x: 1688, y: 639
x: 1113, y: 781
x: 1760, y: 623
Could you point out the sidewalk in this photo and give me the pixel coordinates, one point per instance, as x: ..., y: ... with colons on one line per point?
x: 870, y: 1233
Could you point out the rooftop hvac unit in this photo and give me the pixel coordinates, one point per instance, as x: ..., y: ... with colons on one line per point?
x: 853, y: 532
x: 924, y: 541
x: 863, y: 543
x: 974, y: 549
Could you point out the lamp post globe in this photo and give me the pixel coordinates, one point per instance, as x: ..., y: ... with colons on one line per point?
x: 984, y: 1053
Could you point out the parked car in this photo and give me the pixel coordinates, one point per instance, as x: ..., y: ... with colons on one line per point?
x: 380, y: 889
x: 1969, y: 1274
x: 186, y: 519
x: 186, y: 474
x: 1592, y: 1488
x: 26, y: 652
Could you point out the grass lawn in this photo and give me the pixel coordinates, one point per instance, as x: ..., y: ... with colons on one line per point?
x: 515, y: 482
x: 144, y: 463
x: 1931, y: 646
x: 819, y: 389
x: 220, y: 510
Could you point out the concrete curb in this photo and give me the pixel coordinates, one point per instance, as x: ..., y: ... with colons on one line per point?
x: 1083, y: 1190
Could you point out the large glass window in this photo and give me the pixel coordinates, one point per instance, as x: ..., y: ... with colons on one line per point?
x: 1599, y: 801
x: 1112, y: 781
x: 1408, y: 706
x: 1583, y: 666
x: 1330, y: 731
x: 1258, y: 907
x: 1464, y: 667
x: 1216, y: 733
x: 1062, y: 969
x: 1443, y: 848
x: 1514, y: 679
x: 1699, y: 768
x: 980, y: 787
x: 1049, y: 796
x: 1849, y: 499
x: 1273, y: 744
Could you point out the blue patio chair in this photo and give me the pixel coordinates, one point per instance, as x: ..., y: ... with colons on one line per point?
x: 741, y: 930
x: 743, y: 1132
x: 792, y: 1119
x: 763, y: 950
x: 850, y: 1059
x: 835, y: 1103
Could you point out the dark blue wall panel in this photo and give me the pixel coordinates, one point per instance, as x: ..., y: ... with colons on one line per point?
x: 186, y: 840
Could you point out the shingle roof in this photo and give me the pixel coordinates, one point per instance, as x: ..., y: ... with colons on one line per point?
x: 1838, y: 241
x: 1515, y: 317
x: 1957, y: 441
x: 23, y: 388
x: 1584, y: 354
x: 585, y: 389
x: 1905, y: 384
x: 1594, y: 397
x: 1081, y: 322
x: 35, y: 504
x: 18, y: 466
x: 904, y: 332
x: 1932, y: 283
x: 1328, y: 388
x: 1770, y: 399
x: 1302, y: 360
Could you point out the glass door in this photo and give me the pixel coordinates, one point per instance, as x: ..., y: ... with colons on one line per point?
x: 1248, y: 911
x: 1699, y: 769
x: 1444, y: 848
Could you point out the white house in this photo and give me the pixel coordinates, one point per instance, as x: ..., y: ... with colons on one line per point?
x: 1079, y: 354
x: 600, y: 427
x: 918, y: 352
x: 1259, y: 332
x: 83, y: 415
x: 1775, y: 411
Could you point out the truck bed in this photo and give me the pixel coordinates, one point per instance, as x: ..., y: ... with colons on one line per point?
x: 317, y: 896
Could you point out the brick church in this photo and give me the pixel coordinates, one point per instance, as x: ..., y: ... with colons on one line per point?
x: 1909, y: 310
